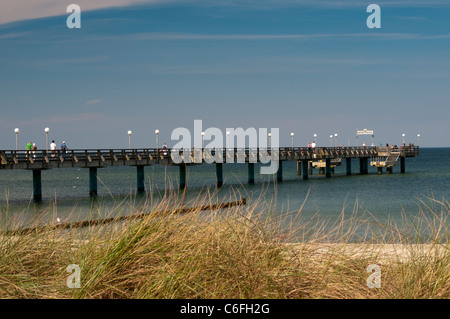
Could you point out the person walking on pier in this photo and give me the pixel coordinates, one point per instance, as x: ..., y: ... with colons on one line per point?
x: 64, y: 149
x: 28, y: 148
x: 53, y: 148
x: 34, y: 149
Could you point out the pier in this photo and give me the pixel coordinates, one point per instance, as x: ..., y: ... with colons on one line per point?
x: 325, y: 158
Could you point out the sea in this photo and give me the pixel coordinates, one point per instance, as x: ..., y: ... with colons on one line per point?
x: 423, y: 187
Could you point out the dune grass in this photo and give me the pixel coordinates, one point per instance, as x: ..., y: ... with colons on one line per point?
x: 241, y: 252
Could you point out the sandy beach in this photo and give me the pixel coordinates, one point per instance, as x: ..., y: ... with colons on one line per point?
x: 381, y: 253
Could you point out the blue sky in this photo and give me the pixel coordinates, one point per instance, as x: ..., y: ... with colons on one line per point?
x: 300, y: 66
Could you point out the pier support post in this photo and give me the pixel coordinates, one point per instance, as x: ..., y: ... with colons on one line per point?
x: 299, y: 168
x: 219, y: 174
x: 380, y: 170
x: 402, y: 164
x: 327, y: 167
x: 140, y: 179
x: 310, y: 168
x: 305, y: 169
x: 251, y: 173
x: 93, y: 181
x: 280, y: 172
x: 182, y: 176
x: 37, y: 185
x: 363, y: 165
x: 348, y: 162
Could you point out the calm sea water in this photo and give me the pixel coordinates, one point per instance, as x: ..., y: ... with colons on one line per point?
x: 65, y: 191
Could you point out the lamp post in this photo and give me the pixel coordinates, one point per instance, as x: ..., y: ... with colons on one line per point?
x: 331, y: 140
x: 47, y: 130
x: 418, y: 139
x: 403, y: 135
x: 16, y: 130
x: 292, y: 137
x: 203, y: 140
x: 335, y: 139
x: 129, y: 139
x: 315, y: 138
x: 270, y: 137
x: 157, y: 133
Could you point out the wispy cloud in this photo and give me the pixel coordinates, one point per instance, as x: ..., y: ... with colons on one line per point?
x: 13, y: 35
x: 61, y: 119
x: 412, y: 18
x: 56, y: 62
x: 12, y: 11
x: 31, y: 9
x: 92, y: 102
x: 331, y: 3
x: 190, y: 36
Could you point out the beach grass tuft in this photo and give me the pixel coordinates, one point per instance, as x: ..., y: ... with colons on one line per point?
x: 243, y: 252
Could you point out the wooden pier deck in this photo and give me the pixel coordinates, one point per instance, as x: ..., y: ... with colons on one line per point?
x: 100, y: 158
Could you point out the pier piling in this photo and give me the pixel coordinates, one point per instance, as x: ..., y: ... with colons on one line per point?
x: 251, y: 173
x: 305, y: 169
x: 280, y: 172
x: 93, y: 181
x: 182, y: 176
x: 402, y: 164
x: 37, y: 185
x: 140, y: 179
x: 348, y: 162
x: 364, y: 165
x: 327, y: 167
x: 219, y: 174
